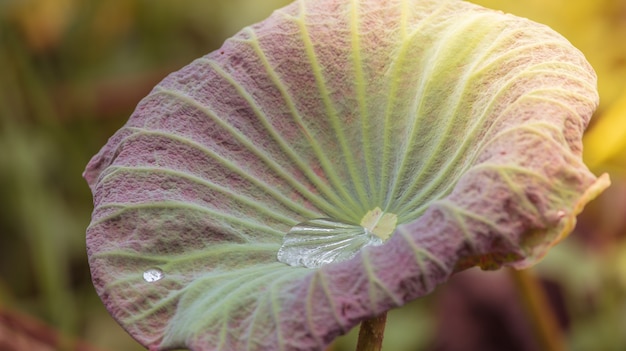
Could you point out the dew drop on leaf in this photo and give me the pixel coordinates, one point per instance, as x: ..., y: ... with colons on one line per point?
x: 153, y: 275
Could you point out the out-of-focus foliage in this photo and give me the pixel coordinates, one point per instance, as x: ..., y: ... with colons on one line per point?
x: 71, y: 72
x: 606, y: 141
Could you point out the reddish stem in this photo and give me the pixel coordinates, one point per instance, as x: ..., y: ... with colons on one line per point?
x: 371, y: 333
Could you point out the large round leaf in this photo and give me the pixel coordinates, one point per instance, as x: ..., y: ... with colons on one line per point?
x: 332, y: 162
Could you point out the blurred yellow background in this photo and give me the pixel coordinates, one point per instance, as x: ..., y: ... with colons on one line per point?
x: 71, y: 72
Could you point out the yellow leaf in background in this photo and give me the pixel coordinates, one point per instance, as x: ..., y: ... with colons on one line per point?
x: 42, y: 21
x: 607, y: 138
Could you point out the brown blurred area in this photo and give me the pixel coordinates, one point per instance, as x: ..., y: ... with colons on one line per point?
x: 72, y: 71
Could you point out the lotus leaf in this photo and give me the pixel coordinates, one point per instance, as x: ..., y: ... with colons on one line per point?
x: 332, y: 162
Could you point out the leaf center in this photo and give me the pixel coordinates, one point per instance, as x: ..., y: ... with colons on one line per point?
x: 380, y: 223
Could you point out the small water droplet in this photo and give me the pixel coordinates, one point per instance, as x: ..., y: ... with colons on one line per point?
x: 560, y: 214
x: 153, y: 275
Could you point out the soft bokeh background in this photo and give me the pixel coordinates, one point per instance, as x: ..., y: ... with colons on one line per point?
x: 71, y: 72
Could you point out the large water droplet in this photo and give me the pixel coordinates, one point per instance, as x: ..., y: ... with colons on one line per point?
x: 321, y: 241
x: 153, y: 275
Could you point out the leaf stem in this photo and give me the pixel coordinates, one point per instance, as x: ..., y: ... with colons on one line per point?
x: 547, y: 331
x: 371, y: 333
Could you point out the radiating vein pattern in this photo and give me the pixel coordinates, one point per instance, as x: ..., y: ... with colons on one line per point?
x: 332, y: 162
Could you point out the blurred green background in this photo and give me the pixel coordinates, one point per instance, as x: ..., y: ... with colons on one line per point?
x: 71, y: 72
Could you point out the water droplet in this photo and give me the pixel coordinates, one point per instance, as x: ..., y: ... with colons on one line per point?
x: 153, y: 275
x: 321, y: 241
x: 560, y: 214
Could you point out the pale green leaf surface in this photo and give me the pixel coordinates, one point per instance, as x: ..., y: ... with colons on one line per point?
x: 461, y: 123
